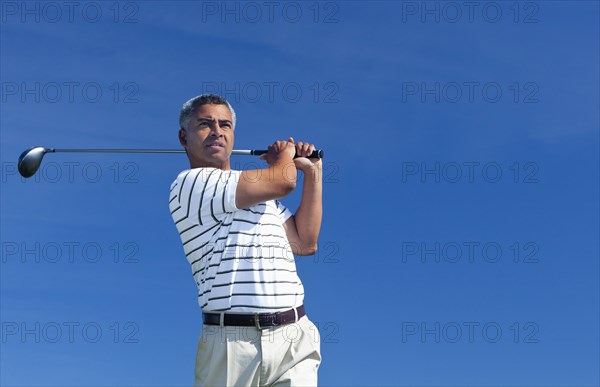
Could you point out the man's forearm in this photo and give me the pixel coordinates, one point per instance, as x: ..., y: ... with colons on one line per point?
x: 310, y: 212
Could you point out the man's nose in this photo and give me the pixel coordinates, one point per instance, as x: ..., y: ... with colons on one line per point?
x: 216, y: 130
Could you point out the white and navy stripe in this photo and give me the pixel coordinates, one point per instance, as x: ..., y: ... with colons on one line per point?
x: 241, y: 259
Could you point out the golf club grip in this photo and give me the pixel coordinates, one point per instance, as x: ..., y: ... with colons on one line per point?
x: 317, y: 154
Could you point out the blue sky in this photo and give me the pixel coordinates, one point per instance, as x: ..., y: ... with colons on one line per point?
x: 460, y: 237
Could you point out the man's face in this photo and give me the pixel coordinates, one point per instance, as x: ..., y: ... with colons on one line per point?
x: 209, y: 137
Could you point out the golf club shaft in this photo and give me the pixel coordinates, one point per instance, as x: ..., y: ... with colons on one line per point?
x: 254, y: 152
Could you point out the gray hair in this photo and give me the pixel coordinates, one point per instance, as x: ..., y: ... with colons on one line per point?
x: 204, y: 99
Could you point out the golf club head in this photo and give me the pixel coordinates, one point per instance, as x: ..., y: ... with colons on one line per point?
x: 30, y: 161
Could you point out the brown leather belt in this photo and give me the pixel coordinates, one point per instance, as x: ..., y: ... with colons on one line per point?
x: 259, y: 320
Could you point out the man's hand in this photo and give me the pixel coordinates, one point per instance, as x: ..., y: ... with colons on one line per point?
x: 279, y: 151
x: 303, y: 163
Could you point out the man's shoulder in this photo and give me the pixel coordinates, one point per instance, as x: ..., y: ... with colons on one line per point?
x: 196, y: 180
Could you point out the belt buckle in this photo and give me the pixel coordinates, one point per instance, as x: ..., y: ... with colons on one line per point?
x: 271, y: 320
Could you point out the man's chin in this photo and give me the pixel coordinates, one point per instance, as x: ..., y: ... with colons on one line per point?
x: 220, y: 155
x: 215, y: 151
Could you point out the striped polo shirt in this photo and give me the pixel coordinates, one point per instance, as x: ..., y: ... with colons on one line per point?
x: 241, y: 258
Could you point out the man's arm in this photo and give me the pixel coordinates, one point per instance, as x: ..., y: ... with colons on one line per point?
x: 276, y: 181
x: 303, y: 228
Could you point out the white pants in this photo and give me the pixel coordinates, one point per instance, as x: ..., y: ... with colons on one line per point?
x: 287, y: 355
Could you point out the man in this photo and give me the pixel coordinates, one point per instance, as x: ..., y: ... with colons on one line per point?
x: 240, y: 241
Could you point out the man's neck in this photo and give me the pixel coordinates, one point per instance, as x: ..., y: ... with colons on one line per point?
x: 198, y: 164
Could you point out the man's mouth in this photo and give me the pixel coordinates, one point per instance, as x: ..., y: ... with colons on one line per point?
x: 215, y: 145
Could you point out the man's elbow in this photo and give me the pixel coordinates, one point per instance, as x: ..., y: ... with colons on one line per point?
x: 312, y: 249
x: 287, y: 187
x: 308, y: 249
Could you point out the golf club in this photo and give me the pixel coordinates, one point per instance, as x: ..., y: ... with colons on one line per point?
x: 31, y: 159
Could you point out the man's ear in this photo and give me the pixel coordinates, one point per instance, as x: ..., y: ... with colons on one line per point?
x: 183, y: 137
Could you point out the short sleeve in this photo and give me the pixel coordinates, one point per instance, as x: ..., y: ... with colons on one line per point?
x: 284, y: 212
x: 208, y: 194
